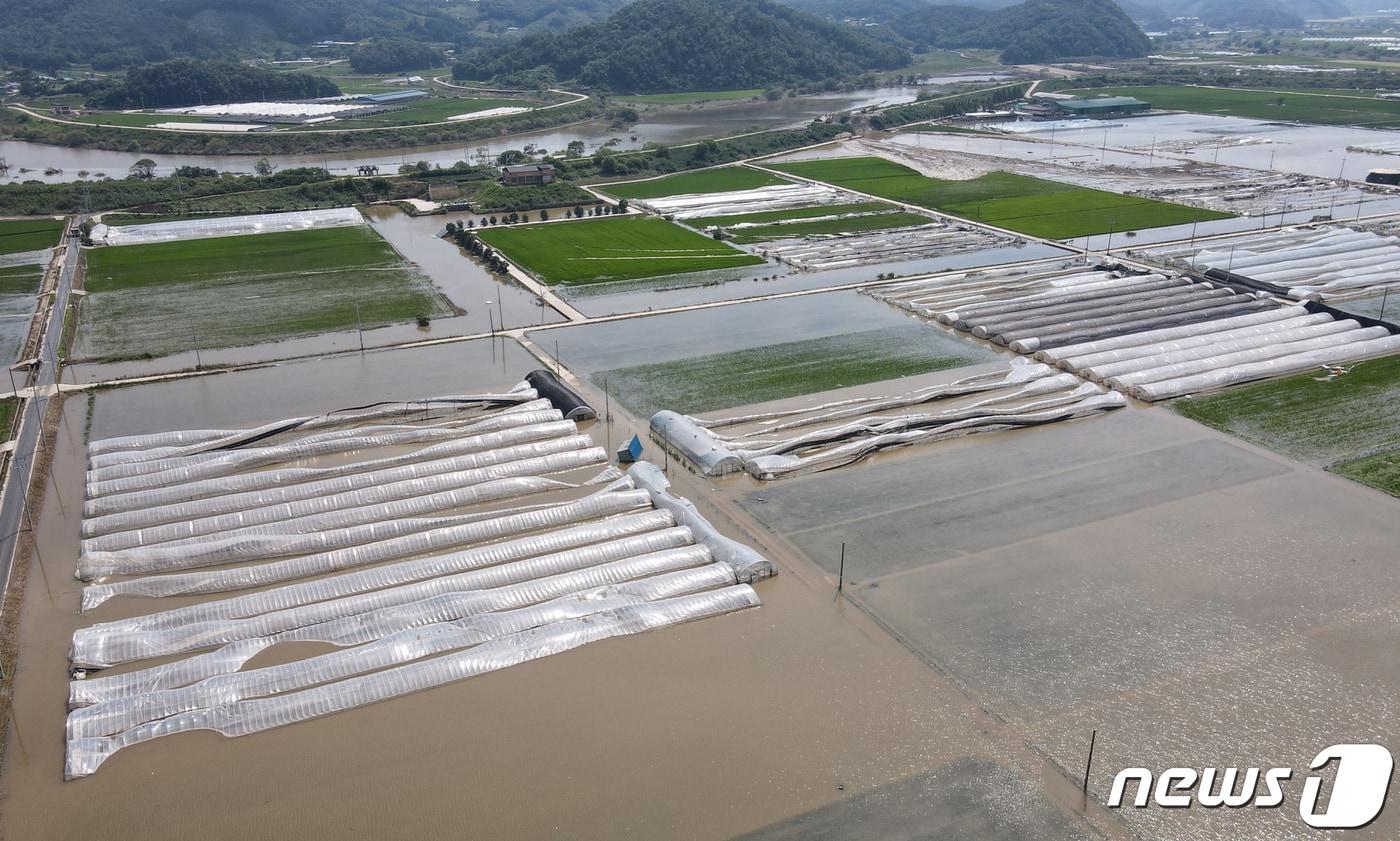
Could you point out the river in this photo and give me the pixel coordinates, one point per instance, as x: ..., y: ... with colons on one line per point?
x: 661, y: 125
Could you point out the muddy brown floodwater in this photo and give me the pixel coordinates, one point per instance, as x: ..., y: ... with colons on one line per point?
x: 707, y: 731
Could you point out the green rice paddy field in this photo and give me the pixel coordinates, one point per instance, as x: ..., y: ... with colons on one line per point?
x: 153, y: 300
x: 1347, y: 423
x: 1350, y: 108
x: 774, y: 372
x: 1021, y: 203
x: 20, y: 235
x: 612, y: 248
x: 718, y: 180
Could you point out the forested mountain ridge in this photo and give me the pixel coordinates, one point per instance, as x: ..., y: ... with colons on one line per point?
x: 1028, y: 32
x: 679, y: 45
x: 109, y: 34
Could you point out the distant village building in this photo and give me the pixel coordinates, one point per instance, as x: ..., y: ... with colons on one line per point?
x: 523, y: 175
x: 1059, y: 106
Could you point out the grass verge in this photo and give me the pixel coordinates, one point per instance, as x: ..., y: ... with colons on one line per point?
x: 611, y: 248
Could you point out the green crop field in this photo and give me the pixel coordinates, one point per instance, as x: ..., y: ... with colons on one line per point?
x: 1351, y: 108
x: 720, y: 180
x: 951, y: 61
x: 152, y: 300
x: 689, y: 97
x: 611, y: 248
x: 1347, y: 422
x: 1032, y: 206
x: 775, y: 372
x: 849, y: 225
x: 20, y: 235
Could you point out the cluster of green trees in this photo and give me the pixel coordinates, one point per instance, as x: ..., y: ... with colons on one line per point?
x: 170, y: 84
x: 1031, y: 31
x: 110, y: 34
x: 391, y: 55
x: 679, y: 45
x: 662, y: 160
x: 500, y: 197
x: 483, y: 252
x: 199, y: 189
x: 947, y: 107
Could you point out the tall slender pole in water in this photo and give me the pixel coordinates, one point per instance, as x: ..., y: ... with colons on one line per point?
x: 1093, y: 737
x: 841, y: 570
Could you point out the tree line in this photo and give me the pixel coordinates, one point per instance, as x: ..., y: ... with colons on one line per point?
x: 182, y: 82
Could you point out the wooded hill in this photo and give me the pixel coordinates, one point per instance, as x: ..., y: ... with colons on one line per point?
x: 1028, y: 32
x: 679, y: 45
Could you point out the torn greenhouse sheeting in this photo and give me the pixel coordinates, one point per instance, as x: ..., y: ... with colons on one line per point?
x: 112, y: 717
x: 360, y: 498
x: 278, y: 477
x: 243, y: 717
x: 229, y: 659
x: 607, y: 503
x: 342, y: 481
x: 276, y: 541
x: 210, y: 467
x: 369, y: 579
x: 167, y: 444
x: 109, y: 645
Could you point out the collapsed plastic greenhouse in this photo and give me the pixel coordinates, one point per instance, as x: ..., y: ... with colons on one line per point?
x: 835, y: 251
x: 430, y: 541
x: 1324, y: 264
x: 1150, y: 335
x: 775, y: 197
x: 781, y: 444
x: 226, y: 226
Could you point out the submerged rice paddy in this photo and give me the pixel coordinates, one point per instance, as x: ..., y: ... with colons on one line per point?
x: 786, y: 369
x: 151, y: 300
x: 1021, y: 203
x: 18, y: 285
x: 1347, y: 422
x: 612, y: 248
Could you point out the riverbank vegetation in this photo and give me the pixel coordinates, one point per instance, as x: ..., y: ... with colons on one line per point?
x: 16, y: 125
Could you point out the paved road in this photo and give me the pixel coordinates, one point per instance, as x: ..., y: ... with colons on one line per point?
x: 13, y: 494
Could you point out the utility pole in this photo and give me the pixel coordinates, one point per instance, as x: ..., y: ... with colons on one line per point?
x: 841, y: 571
x: 359, y: 327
